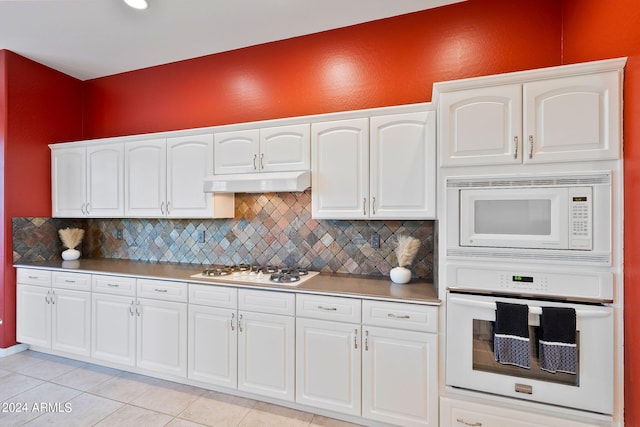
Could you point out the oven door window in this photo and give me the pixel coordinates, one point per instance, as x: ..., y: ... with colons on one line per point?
x: 484, y: 360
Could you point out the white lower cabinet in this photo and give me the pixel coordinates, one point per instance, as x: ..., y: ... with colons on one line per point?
x: 460, y: 413
x: 400, y: 363
x: 266, y: 343
x: 51, y: 316
x: 213, y: 335
x: 148, y: 333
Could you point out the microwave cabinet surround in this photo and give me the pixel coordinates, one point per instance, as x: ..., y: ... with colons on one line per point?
x: 246, y: 341
x: 562, y: 114
x: 88, y: 181
x: 382, y: 167
x: 150, y: 178
x: 271, y: 149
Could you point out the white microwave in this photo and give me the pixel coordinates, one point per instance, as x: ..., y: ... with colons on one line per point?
x: 552, y: 217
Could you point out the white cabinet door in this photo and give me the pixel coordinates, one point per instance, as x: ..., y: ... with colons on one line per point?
x: 71, y: 321
x: 162, y: 336
x: 328, y: 365
x: 237, y: 152
x: 340, y: 169
x: 189, y: 161
x: 68, y: 182
x: 105, y: 180
x: 399, y: 377
x: 285, y: 148
x: 403, y: 166
x: 113, y: 328
x: 33, y: 315
x: 145, y: 178
x: 572, y: 118
x: 213, y: 340
x: 481, y: 126
x: 266, y: 354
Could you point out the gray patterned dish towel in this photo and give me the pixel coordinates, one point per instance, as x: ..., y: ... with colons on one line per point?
x: 558, y: 350
x: 511, y: 335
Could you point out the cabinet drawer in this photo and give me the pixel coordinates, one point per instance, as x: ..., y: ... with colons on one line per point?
x: 267, y: 302
x: 398, y: 315
x: 30, y: 276
x: 329, y: 308
x: 113, y: 285
x: 213, y: 296
x: 77, y: 281
x: 162, y: 289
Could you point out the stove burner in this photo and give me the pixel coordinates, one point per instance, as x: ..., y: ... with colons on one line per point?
x: 217, y: 270
x: 269, y: 269
x: 285, y: 277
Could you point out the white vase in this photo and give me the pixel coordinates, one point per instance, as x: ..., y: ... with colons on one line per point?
x: 70, y: 254
x: 400, y: 275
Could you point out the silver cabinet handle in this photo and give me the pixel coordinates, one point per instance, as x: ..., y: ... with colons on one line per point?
x: 515, y: 147
x: 113, y: 285
x: 161, y: 290
x: 364, y: 206
x: 366, y: 340
x: 48, y: 297
x: 168, y: 207
x: 531, y: 146
x: 320, y: 307
x: 255, y: 156
x: 69, y: 281
x: 355, y: 339
x: 373, y: 206
x: 87, y: 208
x: 261, y: 160
x: 138, y: 308
x: 233, y: 315
x: 32, y: 277
x: 162, y: 208
x: 131, y: 308
x: 468, y: 423
x: 53, y: 297
x: 240, y: 323
x: 396, y: 316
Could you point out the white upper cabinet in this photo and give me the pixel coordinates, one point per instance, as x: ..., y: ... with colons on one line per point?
x: 571, y: 118
x: 273, y: 149
x: 88, y: 181
x: 378, y: 168
x: 164, y: 178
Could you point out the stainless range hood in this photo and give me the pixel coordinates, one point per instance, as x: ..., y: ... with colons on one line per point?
x: 266, y: 182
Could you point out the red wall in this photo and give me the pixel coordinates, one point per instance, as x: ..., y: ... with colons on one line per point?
x: 593, y: 29
x: 41, y: 106
x: 387, y: 62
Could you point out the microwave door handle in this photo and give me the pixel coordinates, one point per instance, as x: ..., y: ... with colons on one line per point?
x: 583, y: 313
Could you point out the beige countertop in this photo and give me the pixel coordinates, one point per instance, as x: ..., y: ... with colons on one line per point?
x: 367, y: 287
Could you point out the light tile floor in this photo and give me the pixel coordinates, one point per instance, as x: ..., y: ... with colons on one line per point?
x: 38, y: 389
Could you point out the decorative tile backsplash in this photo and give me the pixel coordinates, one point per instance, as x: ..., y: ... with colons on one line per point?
x: 272, y: 228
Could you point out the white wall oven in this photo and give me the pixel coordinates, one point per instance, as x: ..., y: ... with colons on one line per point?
x: 532, y: 333
x: 559, y: 217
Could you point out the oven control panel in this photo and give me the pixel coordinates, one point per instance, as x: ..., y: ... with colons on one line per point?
x: 576, y: 284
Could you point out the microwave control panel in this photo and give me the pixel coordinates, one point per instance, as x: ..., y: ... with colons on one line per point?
x: 580, y: 218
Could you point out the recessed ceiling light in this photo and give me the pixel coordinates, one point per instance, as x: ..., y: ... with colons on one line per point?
x: 137, y: 4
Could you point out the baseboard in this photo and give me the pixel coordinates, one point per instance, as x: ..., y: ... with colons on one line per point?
x: 4, y: 352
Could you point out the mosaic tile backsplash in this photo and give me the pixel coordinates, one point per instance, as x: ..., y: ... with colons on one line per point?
x: 273, y: 228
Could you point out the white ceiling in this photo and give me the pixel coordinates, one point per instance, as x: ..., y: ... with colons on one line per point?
x: 95, y: 38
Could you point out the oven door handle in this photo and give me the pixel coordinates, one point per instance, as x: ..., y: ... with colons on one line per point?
x: 583, y: 313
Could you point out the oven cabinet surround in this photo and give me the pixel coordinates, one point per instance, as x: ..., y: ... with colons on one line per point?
x: 463, y: 413
x: 140, y: 323
x: 269, y: 149
x: 87, y: 180
x: 164, y: 178
x: 377, y: 167
x: 564, y: 114
x: 54, y: 310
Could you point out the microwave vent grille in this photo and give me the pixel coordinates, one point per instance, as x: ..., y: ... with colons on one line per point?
x: 539, y: 181
x: 600, y: 259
